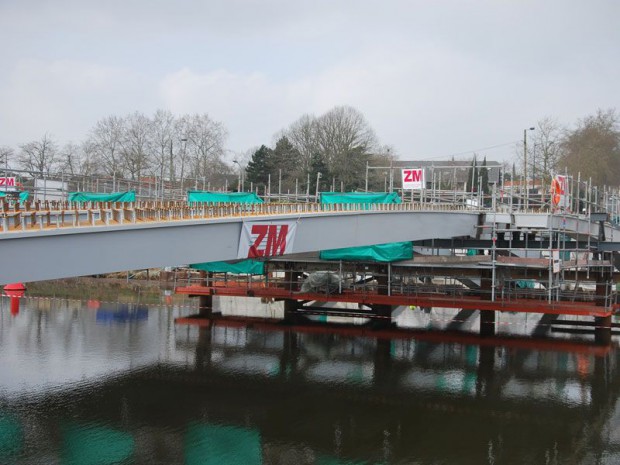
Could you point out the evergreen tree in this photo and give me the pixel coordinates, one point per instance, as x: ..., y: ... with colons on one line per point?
x: 472, y: 176
x: 257, y: 170
x: 283, y: 160
x: 484, y: 177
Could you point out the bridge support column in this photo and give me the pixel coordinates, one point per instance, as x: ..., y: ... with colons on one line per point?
x: 205, y: 302
x: 487, y: 317
x: 487, y: 323
x: 602, y: 329
x: 290, y: 311
x: 291, y: 283
x: 205, y: 305
x: 382, y: 312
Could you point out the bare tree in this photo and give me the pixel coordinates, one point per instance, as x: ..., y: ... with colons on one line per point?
x: 6, y: 154
x: 89, y: 164
x: 39, y: 155
x: 135, y: 145
x: 70, y: 159
x: 593, y: 148
x: 162, y: 135
x: 205, y: 143
x: 303, y: 135
x: 346, y: 141
x: 104, y: 144
x: 544, y: 150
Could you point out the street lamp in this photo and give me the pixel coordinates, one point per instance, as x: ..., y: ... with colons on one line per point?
x: 525, y: 164
x: 316, y: 195
x: 238, y: 185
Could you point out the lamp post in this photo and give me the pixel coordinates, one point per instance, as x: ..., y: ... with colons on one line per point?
x: 316, y: 194
x: 238, y: 185
x: 525, y: 165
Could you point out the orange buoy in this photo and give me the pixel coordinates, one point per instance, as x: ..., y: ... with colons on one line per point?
x: 14, y: 291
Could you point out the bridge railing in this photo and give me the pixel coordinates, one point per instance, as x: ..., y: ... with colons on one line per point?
x: 61, y: 214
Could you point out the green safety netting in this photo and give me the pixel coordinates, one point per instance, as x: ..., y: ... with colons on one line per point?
x: 220, y: 444
x: 244, y: 266
x: 23, y: 196
x: 129, y: 196
x: 91, y: 444
x: 222, y: 197
x: 380, y: 253
x: 360, y: 197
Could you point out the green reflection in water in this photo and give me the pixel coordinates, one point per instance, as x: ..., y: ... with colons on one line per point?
x: 221, y: 444
x: 90, y: 444
x: 11, y: 436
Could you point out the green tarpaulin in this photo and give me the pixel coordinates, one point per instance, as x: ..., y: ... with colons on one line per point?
x: 129, y: 196
x: 23, y: 196
x: 376, y: 253
x: 245, y: 266
x: 222, y: 444
x: 391, y: 252
x: 360, y: 197
x: 223, y: 197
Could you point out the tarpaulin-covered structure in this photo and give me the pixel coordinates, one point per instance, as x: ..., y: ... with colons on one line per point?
x: 222, y: 197
x: 128, y: 196
x: 391, y: 252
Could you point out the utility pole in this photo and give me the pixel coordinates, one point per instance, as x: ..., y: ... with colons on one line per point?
x: 525, y: 166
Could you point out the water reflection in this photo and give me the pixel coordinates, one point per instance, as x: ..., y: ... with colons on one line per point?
x: 77, y: 388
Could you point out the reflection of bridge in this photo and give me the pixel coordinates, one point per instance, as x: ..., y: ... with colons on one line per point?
x: 388, y: 401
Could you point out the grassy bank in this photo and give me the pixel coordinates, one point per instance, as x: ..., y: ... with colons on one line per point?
x: 105, y: 289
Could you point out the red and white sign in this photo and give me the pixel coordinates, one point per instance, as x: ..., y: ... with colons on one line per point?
x: 559, y: 191
x: 413, y: 178
x: 266, y: 238
x: 7, y: 184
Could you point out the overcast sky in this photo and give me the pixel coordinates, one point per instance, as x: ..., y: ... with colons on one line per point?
x: 433, y: 78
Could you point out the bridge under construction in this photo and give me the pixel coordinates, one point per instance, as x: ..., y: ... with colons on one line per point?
x: 465, y: 253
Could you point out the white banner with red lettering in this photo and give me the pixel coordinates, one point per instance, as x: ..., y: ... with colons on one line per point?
x: 413, y: 178
x: 7, y: 184
x: 266, y: 238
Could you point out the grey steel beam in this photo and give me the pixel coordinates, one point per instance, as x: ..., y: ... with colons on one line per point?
x: 67, y: 252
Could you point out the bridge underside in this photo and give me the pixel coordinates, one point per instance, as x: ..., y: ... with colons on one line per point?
x: 375, y: 290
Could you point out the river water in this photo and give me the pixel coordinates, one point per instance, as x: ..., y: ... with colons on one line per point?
x: 90, y: 382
